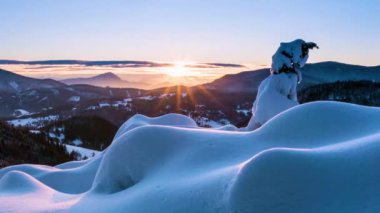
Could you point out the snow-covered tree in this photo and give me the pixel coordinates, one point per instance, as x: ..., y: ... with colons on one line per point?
x: 278, y: 92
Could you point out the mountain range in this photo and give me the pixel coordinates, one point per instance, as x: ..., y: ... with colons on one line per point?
x: 11, y: 82
x: 313, y: 74
x: 103, y: 80
x: 108, y: 79
x: 40, y: 95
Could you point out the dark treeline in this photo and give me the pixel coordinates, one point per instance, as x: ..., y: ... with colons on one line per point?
x: 357, y: 92
x: 93, y: 131
x: 18, y: 145
x: 197, y: 103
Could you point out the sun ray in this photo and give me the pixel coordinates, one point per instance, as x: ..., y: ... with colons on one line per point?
x: 178, y: 98
x: 190, y: 94
x: 205, y: 91
x: 179, y: 73
x: 162, y: 99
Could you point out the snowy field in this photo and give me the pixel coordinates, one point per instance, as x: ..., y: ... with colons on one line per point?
x: 33, y: 122
x: 84, y: 152
x: 317, y: 157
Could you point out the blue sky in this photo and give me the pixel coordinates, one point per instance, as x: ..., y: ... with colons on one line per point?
x: 226, y: 31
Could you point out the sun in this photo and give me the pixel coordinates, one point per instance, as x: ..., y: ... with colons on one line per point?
x: 179, y: 69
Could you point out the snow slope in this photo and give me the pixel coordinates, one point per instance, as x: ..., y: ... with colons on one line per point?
x: 317, y: 157
x: 37, y: 122
x: 84, y: 152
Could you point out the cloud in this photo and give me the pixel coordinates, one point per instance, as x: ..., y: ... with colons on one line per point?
x: 215, y: 65
x: 115, y: 64
x: 227, y: 65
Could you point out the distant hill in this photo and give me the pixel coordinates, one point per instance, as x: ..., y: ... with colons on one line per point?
x: 125, y: 63
x: 313, y: 74
x: 108, y: 79
x: 29, y: 95
x: 329, y: 72
x: 11, y: 82
x: 357, y: 92
x: 247, y: 81
x: 21, y: 95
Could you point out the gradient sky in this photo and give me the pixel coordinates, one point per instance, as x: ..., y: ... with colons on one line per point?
x: 228, y: 31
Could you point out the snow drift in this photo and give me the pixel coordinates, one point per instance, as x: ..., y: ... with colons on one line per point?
x: 317, y: 157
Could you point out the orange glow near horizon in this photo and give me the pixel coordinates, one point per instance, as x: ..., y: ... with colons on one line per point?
x: 185, y: 73
x: 179, y: 69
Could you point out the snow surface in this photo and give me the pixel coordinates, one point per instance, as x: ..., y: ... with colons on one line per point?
x: 37, y: 122
x: 148, y: 98
x: 206, y: 122
x: 77, y: 142
x: 74, y: 98
x: 14, y: 85
x: 35, y: 131
x: 276, y: 94
x: 21, y: 112
x: 101, y: 105
x: 317, y: 157
x: 60, y: 137
x: 289, y: 55
x: 243, y: 111
x: 84, y: 152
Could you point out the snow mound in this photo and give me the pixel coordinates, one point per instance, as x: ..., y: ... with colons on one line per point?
x: 228, y: 127
x: 330, y: 179
x: 165, y: 120
x: 19, y: 182
x: 321, y: 123
x: 317, y: 157
x: 69, y: 178
x: 72, y: 164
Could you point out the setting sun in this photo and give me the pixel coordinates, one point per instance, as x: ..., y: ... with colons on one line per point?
x: 178, y: 69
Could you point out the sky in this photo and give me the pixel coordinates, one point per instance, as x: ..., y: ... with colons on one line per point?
x: 243, y: 32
